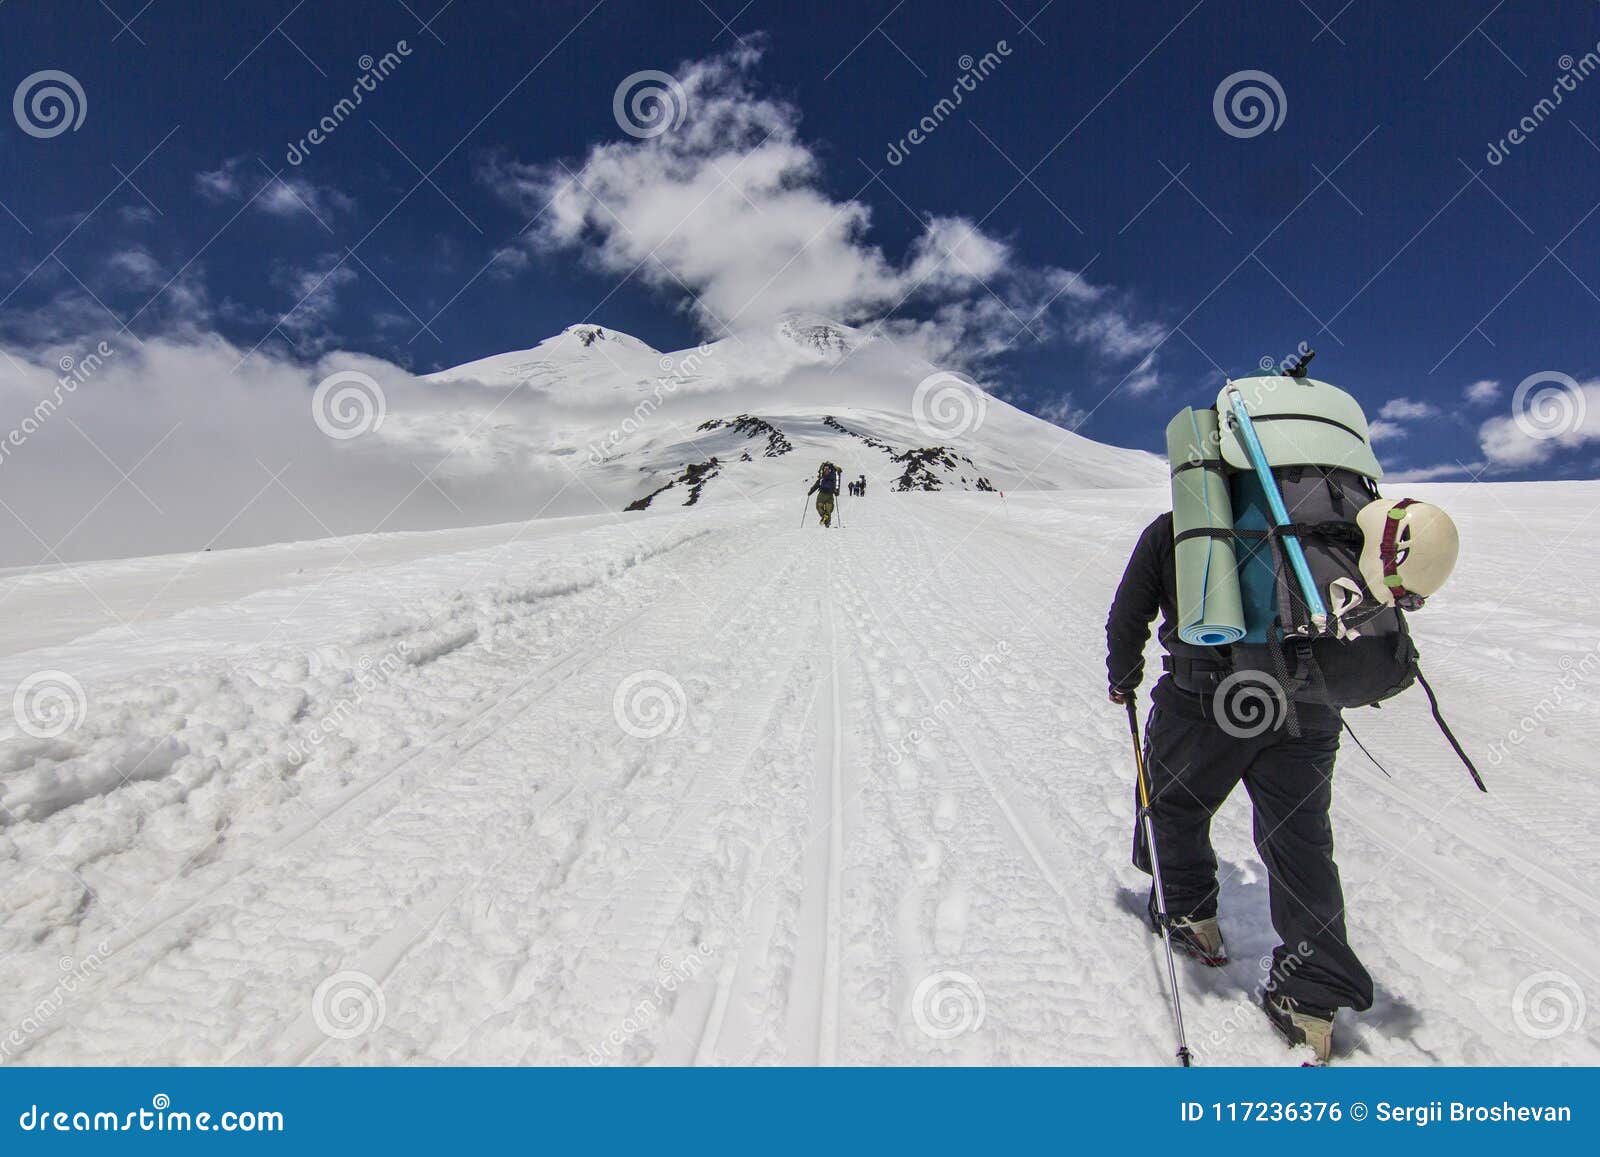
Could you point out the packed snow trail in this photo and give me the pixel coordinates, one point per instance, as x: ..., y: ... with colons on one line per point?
x: 699, y: 787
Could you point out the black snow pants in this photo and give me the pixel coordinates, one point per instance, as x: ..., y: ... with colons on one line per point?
x: 1193, y: 766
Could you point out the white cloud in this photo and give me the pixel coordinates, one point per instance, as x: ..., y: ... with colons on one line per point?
x: 1482, y: 393
x: 1407, y: 409
x: 134, y: 268
x: 1434, y: 473
x: 1379, y: 430
x: 1553, y: 420
x: 1144, y: 378
x: 730, y: 207
x: 202, y: 431
x: 314, y: 294
x: 280, y: 196
x: 1063, y: 412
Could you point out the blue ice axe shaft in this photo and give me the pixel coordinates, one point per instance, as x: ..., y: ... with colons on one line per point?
x: 1280, y: 514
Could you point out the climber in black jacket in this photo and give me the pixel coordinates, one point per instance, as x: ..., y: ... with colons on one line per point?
x: 1195, y: 755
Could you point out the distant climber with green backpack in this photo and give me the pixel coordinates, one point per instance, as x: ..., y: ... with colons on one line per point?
x: 1282, y: 579
x: 826, y: 488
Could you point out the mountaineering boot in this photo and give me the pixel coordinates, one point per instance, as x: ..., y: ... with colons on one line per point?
x: 1300, y: 1024
x: 1201, y: 939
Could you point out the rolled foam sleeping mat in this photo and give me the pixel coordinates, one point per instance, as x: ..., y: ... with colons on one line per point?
x: 1209, y: 611
x: 1300, y: 422
x: 1258, y: 576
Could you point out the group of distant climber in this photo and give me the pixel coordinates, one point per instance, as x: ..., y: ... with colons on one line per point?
x: 826, y: 488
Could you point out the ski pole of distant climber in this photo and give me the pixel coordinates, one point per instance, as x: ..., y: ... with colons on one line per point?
x: 1185, y: 1057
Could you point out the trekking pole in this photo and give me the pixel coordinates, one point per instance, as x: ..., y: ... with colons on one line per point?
x: 1185, y: 1057
x: 804, y: 504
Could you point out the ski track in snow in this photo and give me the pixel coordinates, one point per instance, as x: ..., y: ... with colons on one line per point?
x: 893, y: 771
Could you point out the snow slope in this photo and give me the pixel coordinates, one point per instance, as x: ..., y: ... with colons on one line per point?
x: 698, y: 786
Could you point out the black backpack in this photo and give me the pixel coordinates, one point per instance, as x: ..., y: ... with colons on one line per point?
x: 1370, y: 656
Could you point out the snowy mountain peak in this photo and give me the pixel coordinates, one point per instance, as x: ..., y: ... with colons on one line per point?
x: 816, y: 334
x: 588, y: 336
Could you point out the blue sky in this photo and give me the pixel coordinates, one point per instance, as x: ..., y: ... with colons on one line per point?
x: 1116, y: 247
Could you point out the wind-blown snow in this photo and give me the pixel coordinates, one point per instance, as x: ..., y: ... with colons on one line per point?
x: 698, y: 786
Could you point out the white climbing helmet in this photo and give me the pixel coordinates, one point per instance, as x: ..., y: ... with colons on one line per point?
x: 1408, y: 550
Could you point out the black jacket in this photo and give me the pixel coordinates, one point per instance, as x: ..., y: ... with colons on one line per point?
x: 1149, y: 585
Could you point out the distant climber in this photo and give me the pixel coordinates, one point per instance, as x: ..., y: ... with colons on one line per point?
x: 826, y: 488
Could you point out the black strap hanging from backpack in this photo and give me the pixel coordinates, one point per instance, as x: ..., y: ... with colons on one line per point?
x: 1433, y: 703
